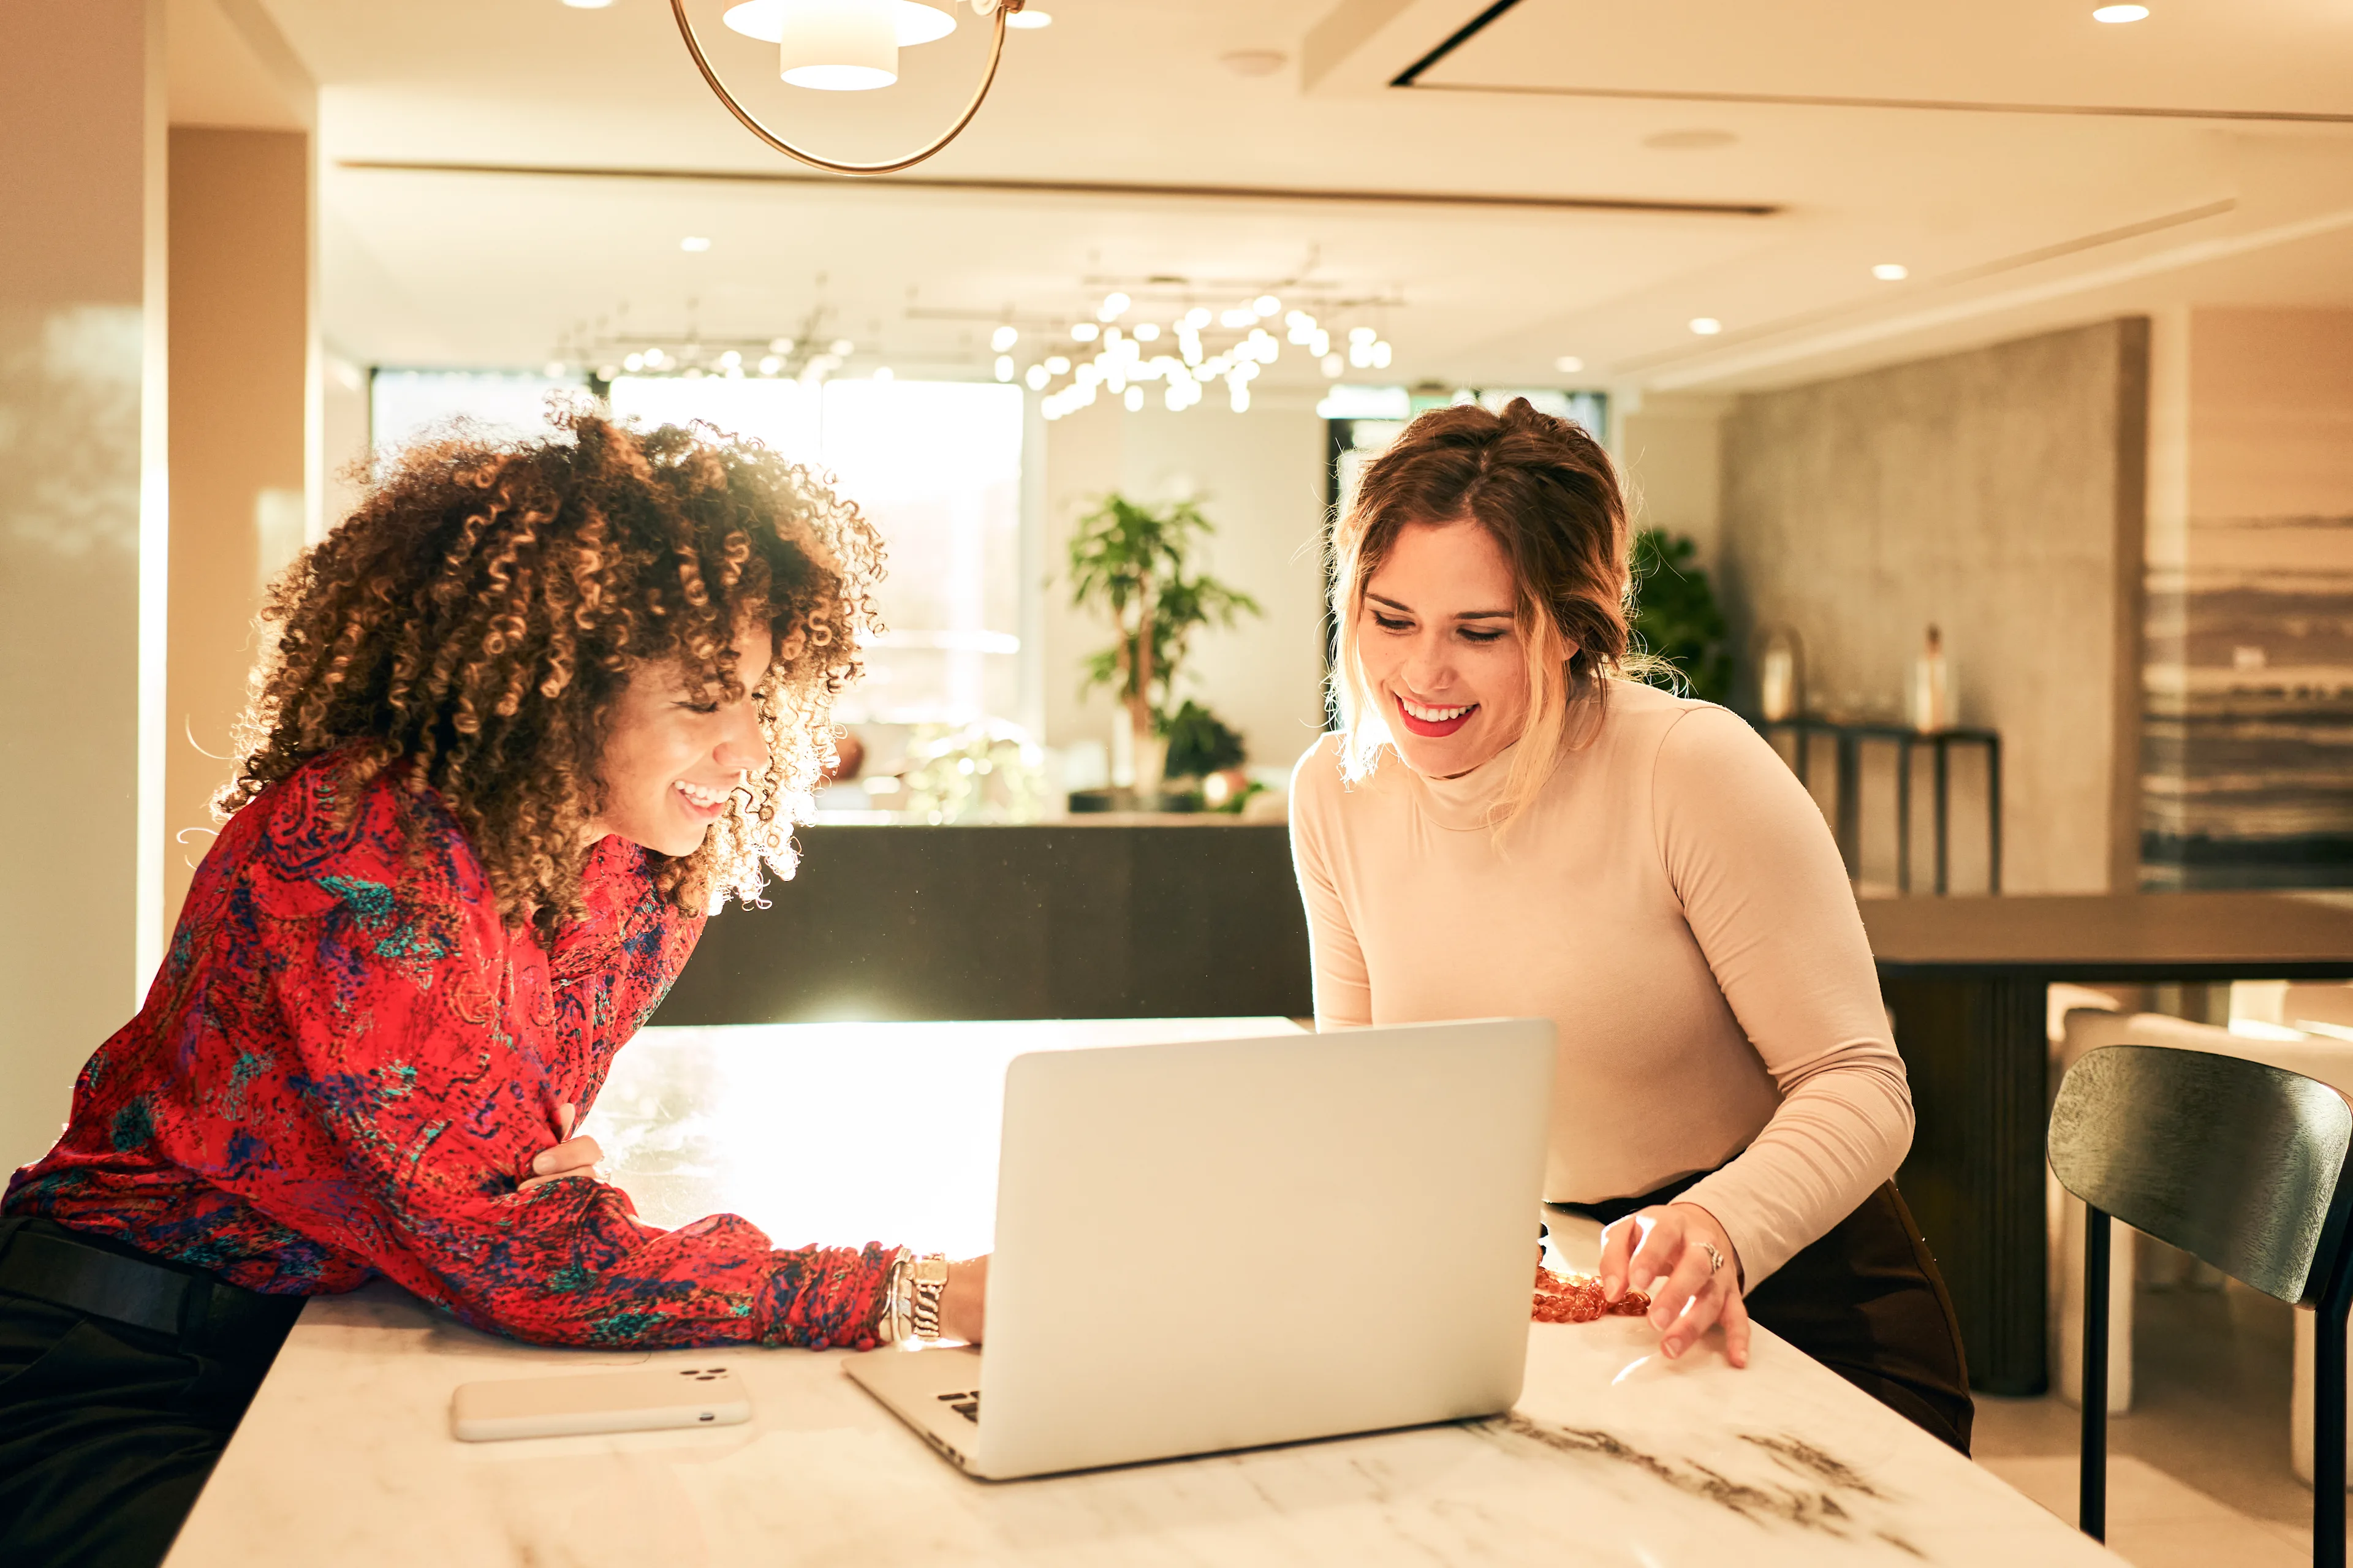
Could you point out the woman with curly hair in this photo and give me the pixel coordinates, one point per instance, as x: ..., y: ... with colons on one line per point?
x: 532, y: 712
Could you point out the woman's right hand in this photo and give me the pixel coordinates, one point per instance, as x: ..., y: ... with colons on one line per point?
x: 964, y: 1300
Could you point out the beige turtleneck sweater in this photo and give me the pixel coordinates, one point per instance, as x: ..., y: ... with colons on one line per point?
x: 1673, y: 901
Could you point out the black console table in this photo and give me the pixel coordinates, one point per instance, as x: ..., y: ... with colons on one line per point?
x: 1848, y: 812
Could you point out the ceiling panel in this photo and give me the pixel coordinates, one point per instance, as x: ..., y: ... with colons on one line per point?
x: 2262, y: 58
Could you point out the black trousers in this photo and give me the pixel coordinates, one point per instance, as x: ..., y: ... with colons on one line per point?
x: 109, y: 1430
x: 1866, y: 1301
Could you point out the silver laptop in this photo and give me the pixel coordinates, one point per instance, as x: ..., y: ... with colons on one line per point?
x: 1223, y: 1244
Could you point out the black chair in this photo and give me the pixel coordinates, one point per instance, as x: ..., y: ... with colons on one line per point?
x: 2241, y: 1164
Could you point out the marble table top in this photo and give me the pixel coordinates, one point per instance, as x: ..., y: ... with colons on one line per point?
x: 1614, y: 1455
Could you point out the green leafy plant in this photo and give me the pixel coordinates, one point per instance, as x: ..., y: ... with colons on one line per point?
x: 1675, y: 613
x: 1135, y: 563
x: 1200, y: 743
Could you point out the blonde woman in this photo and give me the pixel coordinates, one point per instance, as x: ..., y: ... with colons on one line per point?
x: 1504, y: 824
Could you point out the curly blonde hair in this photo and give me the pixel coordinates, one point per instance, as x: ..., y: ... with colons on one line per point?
x: 477, y: 617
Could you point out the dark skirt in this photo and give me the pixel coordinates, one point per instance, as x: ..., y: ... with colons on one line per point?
x: 109, y: 1429
x: 1866, y: 1301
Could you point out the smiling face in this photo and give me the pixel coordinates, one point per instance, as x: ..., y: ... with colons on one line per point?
x: 1440, y: 650
x: 674, y: 756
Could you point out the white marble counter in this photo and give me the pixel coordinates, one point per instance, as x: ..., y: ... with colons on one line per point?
x: 1614, y: 1455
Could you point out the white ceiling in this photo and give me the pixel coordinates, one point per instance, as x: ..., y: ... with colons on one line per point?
x: 1950, y: 139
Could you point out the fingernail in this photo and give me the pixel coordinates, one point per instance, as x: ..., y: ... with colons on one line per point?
x: 540, y: 1164
x: 1673, y: 1349
x: 1611, y: 1287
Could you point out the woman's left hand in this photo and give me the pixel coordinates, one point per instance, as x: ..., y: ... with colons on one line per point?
x: 568, y: 1156
x: 1665, y: 1252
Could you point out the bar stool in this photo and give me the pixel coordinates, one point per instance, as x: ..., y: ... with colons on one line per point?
x: 2241, y: 1164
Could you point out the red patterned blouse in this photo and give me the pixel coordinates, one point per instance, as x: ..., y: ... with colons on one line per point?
x: 348, y: 1062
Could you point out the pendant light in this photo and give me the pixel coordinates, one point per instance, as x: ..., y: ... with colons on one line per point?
x: 846, y: 45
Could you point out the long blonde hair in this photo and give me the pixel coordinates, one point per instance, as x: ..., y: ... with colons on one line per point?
x: 1547, y: 493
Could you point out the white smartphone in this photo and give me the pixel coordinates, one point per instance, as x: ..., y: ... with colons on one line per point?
x: 647, y: 1400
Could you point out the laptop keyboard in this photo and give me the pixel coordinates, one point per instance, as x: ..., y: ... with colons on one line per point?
x: 967, y: 1404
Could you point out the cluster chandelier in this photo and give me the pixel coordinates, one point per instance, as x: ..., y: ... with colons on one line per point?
x: 1125, y: 358
x: 847, y: 46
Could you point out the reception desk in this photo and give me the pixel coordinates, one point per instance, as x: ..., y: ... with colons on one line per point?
x: 1116, y: 920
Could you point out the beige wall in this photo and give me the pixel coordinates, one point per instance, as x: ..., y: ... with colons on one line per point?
x: 81, y: 482
x: 1997, y: 493
x: 240, y: 344
x: 1259, y: 476
x: 1670, y: 455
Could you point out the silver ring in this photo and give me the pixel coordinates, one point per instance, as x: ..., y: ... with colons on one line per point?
x: 1715, y: 1259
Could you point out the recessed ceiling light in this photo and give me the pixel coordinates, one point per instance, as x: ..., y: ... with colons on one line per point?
x: 1568, y: 364
x: 588, y: 4
x: 1030, y: 19
x: 2120, y: 13
x: 1891, y: 272
x: 1695, y: 139
x: 694, y: 242
x: 1707, y: 326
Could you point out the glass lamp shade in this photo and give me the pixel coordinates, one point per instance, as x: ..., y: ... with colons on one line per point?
x: 912, y: 22
x: 838, y: 45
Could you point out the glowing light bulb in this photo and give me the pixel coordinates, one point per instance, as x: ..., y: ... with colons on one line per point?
x: 1037, y: 376
x: 1057, y: 365
x: 1707, y: 326
x: 772, y: 364
x: 634, y: 362
x: 2114, y: 14
x: 1114, y: 307
x: 1005, y: 337
x: 1266, y: 305
x: 1891, y: 272
x: 1004, y: 367
x: 1085, y: 331
x: 1568, y: 364
x: 1147, y: 331
x: 1332, y: 365
x: 1198, y: 317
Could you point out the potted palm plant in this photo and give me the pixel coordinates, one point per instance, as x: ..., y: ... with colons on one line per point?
x: 1136, y: 563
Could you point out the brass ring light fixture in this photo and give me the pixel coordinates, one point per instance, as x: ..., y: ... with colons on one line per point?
x: 996, y: 11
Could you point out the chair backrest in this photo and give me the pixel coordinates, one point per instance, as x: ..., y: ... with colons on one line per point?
x: 2237, y: 1162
